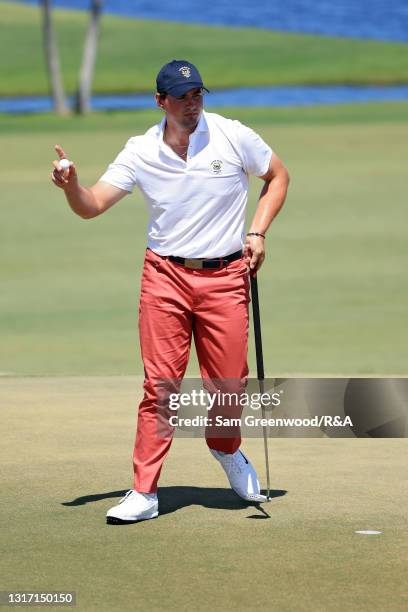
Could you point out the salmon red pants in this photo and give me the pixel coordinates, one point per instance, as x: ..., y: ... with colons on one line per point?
x: 177, y: 303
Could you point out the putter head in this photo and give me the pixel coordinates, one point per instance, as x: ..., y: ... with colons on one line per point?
x: 258, y: 498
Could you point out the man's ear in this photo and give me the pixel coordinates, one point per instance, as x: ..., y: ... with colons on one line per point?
x: 160, y: 98
x: 160, y: 101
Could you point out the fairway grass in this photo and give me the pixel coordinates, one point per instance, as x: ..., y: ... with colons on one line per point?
x: 333, y: 287
x: 131, y: 51
x: 66, y: 458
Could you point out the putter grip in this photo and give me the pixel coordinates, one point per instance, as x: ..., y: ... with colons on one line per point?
x: 257, y: 328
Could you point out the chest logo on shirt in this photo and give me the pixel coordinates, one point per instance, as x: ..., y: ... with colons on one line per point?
x: 216, y: 166
x: 185, y: 71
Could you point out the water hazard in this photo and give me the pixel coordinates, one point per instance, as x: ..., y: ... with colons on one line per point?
x: 244, y: 96
x: 374, y: 19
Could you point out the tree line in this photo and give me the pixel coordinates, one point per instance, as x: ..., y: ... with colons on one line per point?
x: 82, y: 102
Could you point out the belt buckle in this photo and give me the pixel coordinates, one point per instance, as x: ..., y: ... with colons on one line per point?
x: 193, y: 264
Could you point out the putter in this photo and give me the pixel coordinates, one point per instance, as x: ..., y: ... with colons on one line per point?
x: 260, y: 372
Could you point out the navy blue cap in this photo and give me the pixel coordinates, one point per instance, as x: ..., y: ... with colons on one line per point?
x: 178, y: 77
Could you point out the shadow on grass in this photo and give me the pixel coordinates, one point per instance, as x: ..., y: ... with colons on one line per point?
x: 172, y: 499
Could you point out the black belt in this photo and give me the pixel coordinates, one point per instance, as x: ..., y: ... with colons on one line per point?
x: 200, y: 264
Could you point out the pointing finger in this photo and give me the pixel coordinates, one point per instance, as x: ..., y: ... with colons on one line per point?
x: 60, y: 152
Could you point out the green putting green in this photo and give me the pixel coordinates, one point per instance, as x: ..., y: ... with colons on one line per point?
x: 66, y: 458
x: 333, y: 291
x: 333, y: 300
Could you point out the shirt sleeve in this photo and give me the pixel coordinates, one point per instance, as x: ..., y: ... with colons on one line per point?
x: 255, y: 153
x: 122, y: 171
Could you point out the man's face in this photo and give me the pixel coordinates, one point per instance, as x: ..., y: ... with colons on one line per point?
x: 186, y: 109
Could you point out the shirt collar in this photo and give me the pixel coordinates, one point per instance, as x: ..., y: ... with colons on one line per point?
x: 202, y: 125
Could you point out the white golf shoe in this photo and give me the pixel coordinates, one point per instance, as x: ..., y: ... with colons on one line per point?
x: 241, y: 475
x: 133, y: 507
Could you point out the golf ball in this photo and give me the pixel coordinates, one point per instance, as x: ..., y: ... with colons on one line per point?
x: 65, y: 164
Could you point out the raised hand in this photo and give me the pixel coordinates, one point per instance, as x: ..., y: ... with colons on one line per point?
x: 63, y: 175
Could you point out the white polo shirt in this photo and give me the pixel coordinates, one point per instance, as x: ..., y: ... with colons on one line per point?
x: 197, y: 207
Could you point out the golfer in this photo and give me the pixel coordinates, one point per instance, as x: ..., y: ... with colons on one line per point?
x: 193, y: 170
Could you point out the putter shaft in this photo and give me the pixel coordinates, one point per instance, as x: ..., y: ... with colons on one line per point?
x: 260, y: 372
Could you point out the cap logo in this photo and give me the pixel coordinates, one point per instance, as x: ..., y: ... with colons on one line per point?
x: 216, y: 166
x: 185, y: 71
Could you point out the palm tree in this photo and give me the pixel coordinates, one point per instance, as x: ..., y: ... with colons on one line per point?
x: 83, y: 97
x: 52, y: 60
